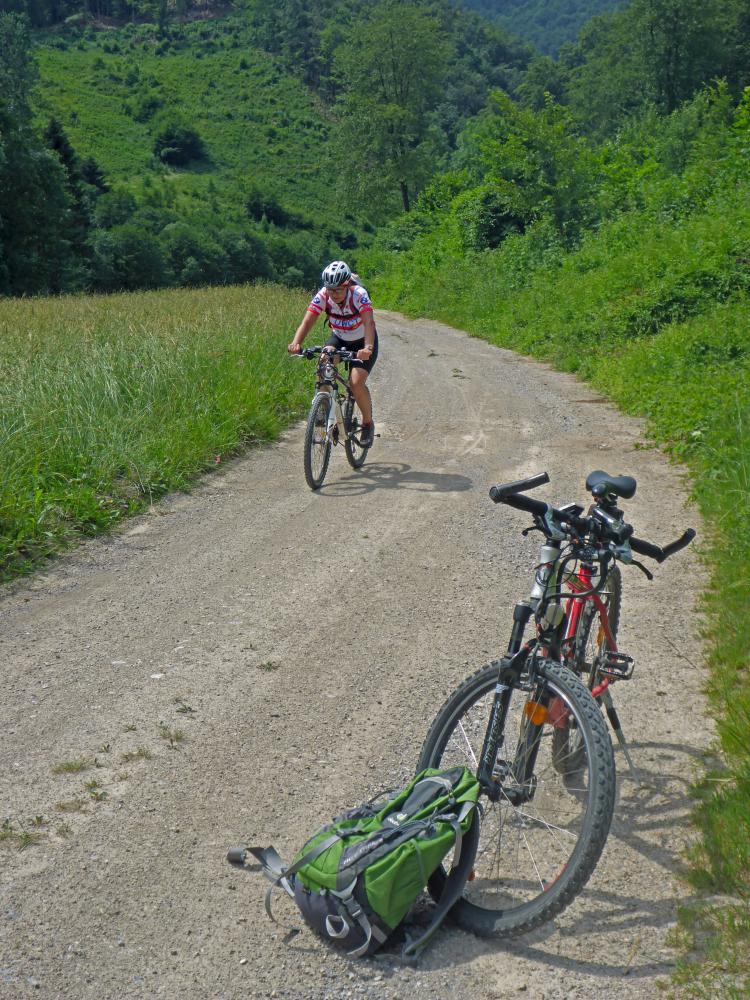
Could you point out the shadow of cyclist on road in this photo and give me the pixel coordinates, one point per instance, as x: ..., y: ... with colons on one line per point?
x: 395, y: 476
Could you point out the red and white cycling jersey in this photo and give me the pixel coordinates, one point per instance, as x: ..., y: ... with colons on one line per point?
x: 346, y: 318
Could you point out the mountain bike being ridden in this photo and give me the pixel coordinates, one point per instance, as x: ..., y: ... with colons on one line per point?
x: 330, y: 422
x: 581, y: 554
x: 349, y: 314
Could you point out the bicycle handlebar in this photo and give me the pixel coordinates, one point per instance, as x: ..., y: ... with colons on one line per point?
x: 660, y: 553
x: 350, y: 357
x: 512, y: 495
x: 498, y: 493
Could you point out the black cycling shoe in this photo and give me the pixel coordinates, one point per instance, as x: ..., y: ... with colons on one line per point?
x: 367, y: 435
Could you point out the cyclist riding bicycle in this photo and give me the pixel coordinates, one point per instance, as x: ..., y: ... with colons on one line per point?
x: 349, y: 312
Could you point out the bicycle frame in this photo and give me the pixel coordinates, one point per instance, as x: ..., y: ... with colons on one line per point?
x: 556, y: 628
x: 329, y: 376
x: 583, y: 581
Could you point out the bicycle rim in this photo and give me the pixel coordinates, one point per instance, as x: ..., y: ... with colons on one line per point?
x: 317, y: 443
x: 536, y: 856
x: 355, y: 452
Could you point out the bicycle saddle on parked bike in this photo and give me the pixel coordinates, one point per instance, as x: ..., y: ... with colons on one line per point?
x: 600, y: 483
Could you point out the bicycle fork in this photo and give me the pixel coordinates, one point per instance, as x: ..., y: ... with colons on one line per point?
x: 513, y: 781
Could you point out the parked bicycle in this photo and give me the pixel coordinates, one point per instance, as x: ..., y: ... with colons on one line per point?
x: 334, y: 416
x: 532, y: 730
x: 542, y: 829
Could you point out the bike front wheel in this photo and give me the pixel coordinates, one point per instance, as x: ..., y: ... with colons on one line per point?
x: 540, y: 841
x: 317, y: 442
x: 356, y: 453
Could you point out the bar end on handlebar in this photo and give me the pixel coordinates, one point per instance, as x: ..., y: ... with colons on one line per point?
x: 502, y: 490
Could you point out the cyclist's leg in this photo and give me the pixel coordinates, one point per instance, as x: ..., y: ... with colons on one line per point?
x: 358, y: 382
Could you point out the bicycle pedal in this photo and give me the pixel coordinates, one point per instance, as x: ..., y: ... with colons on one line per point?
x: 618, y: 666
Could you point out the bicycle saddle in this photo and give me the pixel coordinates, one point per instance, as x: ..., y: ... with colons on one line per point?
x: 600, y: 483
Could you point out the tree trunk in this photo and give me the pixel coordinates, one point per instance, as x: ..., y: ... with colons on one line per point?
x: 405, y: 195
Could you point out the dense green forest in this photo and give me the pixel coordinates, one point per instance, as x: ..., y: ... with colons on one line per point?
x: 548, y: 24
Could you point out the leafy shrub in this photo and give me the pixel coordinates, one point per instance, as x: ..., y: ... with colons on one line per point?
x: 114, y: 208
x: 260, y: 204
x: 486, y: 215
x: 176, y: 143
x: 194, y: 255
x: 146, y: 104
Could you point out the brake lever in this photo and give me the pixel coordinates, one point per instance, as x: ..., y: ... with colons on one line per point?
x: 646, y: 572
x: 532, y: 527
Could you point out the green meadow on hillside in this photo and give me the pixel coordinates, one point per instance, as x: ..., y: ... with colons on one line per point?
x: 110, y: 89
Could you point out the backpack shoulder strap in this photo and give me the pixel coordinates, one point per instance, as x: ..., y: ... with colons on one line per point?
x: 452, y: 890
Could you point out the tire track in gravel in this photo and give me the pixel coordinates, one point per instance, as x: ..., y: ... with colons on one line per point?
x: 303, y: 642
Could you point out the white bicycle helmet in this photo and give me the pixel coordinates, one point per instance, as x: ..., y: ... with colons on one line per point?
x: 336, y: 274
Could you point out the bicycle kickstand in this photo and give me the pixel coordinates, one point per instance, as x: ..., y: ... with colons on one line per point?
x: 614, y: 720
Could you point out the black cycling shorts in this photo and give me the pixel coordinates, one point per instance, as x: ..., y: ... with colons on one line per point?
x: 355, y: 345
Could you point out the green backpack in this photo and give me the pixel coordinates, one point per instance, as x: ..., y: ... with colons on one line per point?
x: 356, y: 879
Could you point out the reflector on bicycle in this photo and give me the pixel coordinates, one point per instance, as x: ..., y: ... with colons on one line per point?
x: 536, y: 713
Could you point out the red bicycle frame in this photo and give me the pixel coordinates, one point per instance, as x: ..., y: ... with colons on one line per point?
x: 581, y: 582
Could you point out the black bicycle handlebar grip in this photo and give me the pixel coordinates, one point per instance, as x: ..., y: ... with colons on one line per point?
x: 502, y: 490
x: 521, y: 502
x: 645, y: 548
x: 685, y: 539
x: 656, y: 551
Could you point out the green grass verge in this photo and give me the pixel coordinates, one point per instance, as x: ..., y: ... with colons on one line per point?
x: 108, y: 402
x: 715, y: 940
x: 657, y: 317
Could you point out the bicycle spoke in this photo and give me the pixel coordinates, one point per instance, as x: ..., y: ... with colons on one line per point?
x: 470, y: 751
x: 528, y: 852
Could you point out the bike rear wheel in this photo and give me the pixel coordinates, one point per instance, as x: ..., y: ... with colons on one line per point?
x: 534, y: 856
x: 590, y: 647
x: 356, y: 453
x: 317, y: 442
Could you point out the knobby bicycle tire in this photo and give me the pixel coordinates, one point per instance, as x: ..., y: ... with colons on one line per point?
x: 533, y: 859
x: 317, y: 444
x: 355, y: 453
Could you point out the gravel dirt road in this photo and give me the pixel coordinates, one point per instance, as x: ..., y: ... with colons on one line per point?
x: 302, y: 643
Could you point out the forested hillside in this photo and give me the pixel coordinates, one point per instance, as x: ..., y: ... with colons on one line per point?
x: 180, y: 148
x: 549, y: 24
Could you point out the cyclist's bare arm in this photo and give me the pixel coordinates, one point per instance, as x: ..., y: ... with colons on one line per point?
x: 368, y: 321
x: 303, y: 329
